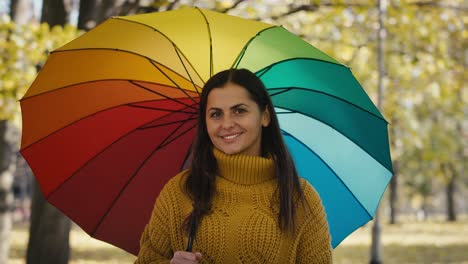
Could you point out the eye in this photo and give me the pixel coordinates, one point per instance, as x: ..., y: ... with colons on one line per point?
x: 215, y: 114
x: 239, y: 111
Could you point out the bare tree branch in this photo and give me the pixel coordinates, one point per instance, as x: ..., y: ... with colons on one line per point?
x: 233, y: 6
x: 135, y: 7
x: 314, y: 7
x: 146, y: 9
x: 440, y: 5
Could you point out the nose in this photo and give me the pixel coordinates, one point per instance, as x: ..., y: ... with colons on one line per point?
x: 228, y: 122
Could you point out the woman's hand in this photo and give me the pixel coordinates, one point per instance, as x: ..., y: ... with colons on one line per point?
x: 184, y: 257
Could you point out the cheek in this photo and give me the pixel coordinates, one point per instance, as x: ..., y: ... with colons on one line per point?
x: 211, y: 129
x: 253, y: 124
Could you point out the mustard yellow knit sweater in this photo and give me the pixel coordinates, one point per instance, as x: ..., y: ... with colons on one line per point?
x: 243, y: 225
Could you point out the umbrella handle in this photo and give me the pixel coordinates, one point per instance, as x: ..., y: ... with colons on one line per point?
x: 191, y: 234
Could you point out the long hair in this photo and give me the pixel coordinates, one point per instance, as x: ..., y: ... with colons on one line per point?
x: 200, y: 183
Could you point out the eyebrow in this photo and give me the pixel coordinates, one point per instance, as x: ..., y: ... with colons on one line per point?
x: 232, y: 107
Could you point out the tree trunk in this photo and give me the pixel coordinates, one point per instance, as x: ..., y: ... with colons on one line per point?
x: 49, y: 229
x: 48, y: 233
x: 376, y: 246
x: 55, y: 12
x: 88, y: 15
x: 21, y: 11
x: 7, y: 169
x: 376, y: 243
x: 394, y: 194
x: 450, y: 192
x: 92, y: 12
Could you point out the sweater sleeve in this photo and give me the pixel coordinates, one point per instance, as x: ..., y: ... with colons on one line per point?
x: 315, y: 243
x: 155, y: 244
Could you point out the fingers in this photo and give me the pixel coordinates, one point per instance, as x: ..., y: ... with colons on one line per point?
x: 182, y: 257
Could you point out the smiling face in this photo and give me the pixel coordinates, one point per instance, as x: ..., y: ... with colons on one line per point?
x: 234, y: 121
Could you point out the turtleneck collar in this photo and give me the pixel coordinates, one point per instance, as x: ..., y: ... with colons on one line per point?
x: 244, y: 169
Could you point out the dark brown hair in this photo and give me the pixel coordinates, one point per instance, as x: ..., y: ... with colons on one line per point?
x: 200, y: 183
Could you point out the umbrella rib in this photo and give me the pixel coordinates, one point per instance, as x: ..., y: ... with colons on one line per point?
x: 327, y: 94
x: 102, y: 48
x: 166, y: 124
x: 302, y: 58
x: 88, y: 82
x: 165, y: 96
x: 161, y: 109
x: 177, y: 85
x: 163, y: 144
x: 136, y: 54
x: 185, y: 68
x: 177, y: 51
x: 187, y: 156
x: 263, y: 71
x: 102, y: 110
x: 211, y: 41
x: 178, y: 136
x: 335, y: 129
x: 242, y: 53
x: 334, y: 173
x: 172, y: 42
x: 97, y: 154
x: 244, y: 49
x: 280, y: 92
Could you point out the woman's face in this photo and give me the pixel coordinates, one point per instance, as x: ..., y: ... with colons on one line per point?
x: 234, y: 121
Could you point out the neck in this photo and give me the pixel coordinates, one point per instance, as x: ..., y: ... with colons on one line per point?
x: 244, y: 169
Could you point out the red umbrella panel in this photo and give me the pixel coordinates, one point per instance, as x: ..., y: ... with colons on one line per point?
x: 107, y: 166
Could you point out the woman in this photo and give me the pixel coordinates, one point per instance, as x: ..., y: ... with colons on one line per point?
x: 242, y: 193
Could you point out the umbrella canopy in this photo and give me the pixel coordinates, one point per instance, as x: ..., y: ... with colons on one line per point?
x: 111, y: 117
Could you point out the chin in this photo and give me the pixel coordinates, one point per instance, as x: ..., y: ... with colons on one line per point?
x: 229, y: 151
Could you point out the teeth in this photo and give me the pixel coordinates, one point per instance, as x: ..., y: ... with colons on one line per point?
x: 231, y: 137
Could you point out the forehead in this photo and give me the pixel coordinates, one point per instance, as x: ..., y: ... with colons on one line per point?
x: 228, y: 95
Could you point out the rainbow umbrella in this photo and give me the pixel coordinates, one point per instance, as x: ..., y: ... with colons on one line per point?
x: 111, y: 117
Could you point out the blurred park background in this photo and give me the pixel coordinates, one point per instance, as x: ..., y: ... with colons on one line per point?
x: 409, y: 55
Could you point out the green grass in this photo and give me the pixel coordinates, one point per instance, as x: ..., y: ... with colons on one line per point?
x: 405, y: 243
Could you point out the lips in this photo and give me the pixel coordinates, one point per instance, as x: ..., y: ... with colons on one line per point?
x: 231, y: 136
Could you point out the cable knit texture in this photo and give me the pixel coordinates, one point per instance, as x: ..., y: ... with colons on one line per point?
x: 243, y: 225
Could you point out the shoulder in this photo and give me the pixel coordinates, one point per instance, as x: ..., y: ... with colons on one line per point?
x: 314, y: 216
x: 178, y: 179
x: 175, y: 185
x: 309, y: 191
x: 311, y: 196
